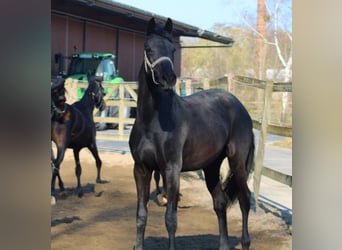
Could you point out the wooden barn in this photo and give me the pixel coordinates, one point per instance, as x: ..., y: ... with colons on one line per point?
x: 107, y: 26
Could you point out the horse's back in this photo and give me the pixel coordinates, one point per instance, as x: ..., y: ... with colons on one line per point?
x: 217, y: 107
x: 214, y: 97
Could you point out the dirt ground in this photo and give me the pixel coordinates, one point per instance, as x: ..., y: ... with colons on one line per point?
x: 104, y: 218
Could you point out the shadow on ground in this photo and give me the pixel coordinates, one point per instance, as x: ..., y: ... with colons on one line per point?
x: 195, y: 242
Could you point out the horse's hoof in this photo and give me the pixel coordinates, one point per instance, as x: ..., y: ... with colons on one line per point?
x: 245, y: 246
x: 62, y: 195
x: 53, y: 200
x: 99, y: 181
x: 80, y: 194
x: 161, y: 200
x: 99, y: 194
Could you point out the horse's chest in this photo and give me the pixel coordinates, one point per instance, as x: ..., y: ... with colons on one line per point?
x: 143, y: 152
x: 150, y: 148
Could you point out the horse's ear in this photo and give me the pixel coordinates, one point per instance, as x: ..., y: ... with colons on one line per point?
x: 89, y: 75
x: 168, y: 25
x: 150, y: 26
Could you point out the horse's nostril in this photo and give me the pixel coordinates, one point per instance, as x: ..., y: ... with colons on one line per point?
x: 169, y: 78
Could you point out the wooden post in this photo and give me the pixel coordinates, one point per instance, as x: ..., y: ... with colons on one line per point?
x: 229, y: 83
x: 121, y: 109
x: 188, y: 90
x: 178, y: 86
x: 259, y: 160
x: 206, y: 83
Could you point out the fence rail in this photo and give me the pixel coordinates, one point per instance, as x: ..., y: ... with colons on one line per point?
x: 277, y: 86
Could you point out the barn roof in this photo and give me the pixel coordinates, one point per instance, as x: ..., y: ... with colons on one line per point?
x: 127, y: 18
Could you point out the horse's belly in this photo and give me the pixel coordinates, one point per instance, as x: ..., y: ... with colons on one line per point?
x: 202, y: 156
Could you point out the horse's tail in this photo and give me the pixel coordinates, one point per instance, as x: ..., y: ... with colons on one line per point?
x: 250, y: 157
x: 230, y: 185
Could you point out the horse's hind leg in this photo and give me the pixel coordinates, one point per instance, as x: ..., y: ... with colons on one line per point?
x: 160, y: 192
x: 240, y: 175
x: 142, y: 177
x: 220, y: 201
x: 93, y: 150
x: 156, y: 177
x: 78, y: 172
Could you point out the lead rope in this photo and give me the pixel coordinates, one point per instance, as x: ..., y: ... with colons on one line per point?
x: 152, y: 65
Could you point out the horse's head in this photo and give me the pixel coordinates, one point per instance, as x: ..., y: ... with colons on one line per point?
x: 158, y: 54
x: 58, y: 96
x: 96, y: 91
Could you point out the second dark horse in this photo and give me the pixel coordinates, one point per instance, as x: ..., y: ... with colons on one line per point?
x: 173, y: 134
x: 72, y: 126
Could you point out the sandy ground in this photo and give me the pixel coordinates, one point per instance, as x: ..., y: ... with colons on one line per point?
x: 104, y: 218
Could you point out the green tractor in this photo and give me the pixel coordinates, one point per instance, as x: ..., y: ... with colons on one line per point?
x: 100, y: 64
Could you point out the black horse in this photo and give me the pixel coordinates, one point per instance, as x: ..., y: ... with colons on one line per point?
x: 72, y: 126
x: 173, y: 134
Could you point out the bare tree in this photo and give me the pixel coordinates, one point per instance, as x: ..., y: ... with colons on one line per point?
x: 261, y: 38
x: 287, y: 64
x: 272, y: 15
x: 267, y: 15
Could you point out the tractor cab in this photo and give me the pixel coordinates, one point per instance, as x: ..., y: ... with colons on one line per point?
x: 100, y: 64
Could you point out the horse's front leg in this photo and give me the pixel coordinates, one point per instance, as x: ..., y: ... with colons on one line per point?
x: 94, y: 151
x: 172, y: 178
x: 55, y: 164
x: 78, y: 172
x: 142, y: 177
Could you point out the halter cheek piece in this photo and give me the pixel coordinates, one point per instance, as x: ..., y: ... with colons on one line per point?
x: 151, y: 66
x: 58, y: 110
x: 99, y: 102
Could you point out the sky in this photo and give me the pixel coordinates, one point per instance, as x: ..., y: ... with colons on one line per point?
x: 202, y: 14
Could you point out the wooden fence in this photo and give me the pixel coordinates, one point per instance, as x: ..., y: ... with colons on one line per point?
x: 263, y: 124
x: 260, y: 115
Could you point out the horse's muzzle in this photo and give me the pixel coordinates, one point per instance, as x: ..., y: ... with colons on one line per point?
x: 168, y: 81
x: 102, y: 105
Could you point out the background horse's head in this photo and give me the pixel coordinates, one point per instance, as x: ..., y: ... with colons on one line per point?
x: 96, y: 91
x: 158, y: 54
x: 58, y: 96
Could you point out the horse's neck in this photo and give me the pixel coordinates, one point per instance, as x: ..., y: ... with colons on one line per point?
x: 147, y: 94
x: 152, y: 101
x: 86, y: 104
